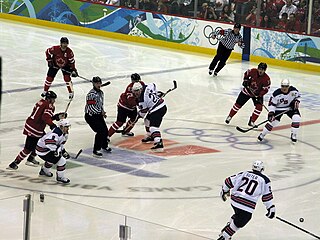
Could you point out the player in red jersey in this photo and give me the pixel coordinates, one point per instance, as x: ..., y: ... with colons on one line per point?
x: 256, y: 84
x: 60, y: 57
x: 127, y: 107
x: 42, y: 115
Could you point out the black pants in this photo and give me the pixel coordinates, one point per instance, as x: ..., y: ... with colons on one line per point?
x: 243, y: 98
x: 123, y: 113
x: 222, y: 56
x: 156, y: 117
x: 99, y: 126
x: 52, y: 72
x: 241, y: 217
x: 31, y: 143
x: 50, y: 157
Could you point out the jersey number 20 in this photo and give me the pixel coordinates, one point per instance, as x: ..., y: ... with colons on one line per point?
x: 248, y: 186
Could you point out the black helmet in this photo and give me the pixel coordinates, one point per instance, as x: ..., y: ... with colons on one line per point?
x: 262, y: 66
x: 135, y: 77
x: 96, y: 80
x: 51, y: 95
x: 64, y: 40
x: 237, y: 25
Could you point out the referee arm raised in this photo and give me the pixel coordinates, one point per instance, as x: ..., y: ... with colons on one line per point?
x: 230, y: 38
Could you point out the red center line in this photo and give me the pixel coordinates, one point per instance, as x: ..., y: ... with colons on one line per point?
x: 301, y: 124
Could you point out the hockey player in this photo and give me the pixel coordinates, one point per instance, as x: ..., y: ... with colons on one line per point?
x: 50, y: 148
x: 152, y: 109
x: 60, y: 57
x: 285, y: 98
x: 127, y: 107
x: 247, y: 187
x: 42, y: 115
x: 256, y: 84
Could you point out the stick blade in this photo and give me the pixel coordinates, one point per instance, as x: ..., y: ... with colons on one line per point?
x: 242, y: 130
x: 106, y: 84
x: 175, y: 85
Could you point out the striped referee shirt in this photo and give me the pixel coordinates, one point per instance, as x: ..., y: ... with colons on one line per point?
x: 230, y: 38
x: 94, y: 103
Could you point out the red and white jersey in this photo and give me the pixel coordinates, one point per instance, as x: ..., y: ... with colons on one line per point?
x: 127, y: 100
x: 149, y: 100
x: 51, y: 142
x: 247, y: 187
x: 39, y: 118
x: 60, y: 58
x: 259, y: 85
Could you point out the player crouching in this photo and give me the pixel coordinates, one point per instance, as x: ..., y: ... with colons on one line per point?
x: 152, y: 108
x: 50, y: 148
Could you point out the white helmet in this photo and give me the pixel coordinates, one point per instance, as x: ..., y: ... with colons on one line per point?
x: 258, y: 166
x: 136, y: 86
x: 64, y: 123
x: 285, y: 83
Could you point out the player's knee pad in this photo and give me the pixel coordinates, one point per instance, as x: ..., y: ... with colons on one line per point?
x: 62, y: 162
x: 146, y: 122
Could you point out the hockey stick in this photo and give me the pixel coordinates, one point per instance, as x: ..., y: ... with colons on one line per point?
x: 79, y: 152
x: 251, y: 92
x: 175, y: 85
x: 301, y: 229
x: 249, y: 129
x: 68, y: 105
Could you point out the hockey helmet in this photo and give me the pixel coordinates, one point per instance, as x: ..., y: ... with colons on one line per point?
x: 135, y: 77
x: 96, y: 80
x: 262, y: 66
x: 258, y: 166
x: 51, y: 95
x: 237, y: 25
x: 136, y: 87
x: 285, y: 83
x: 64, y: 123
x: 64, y: 40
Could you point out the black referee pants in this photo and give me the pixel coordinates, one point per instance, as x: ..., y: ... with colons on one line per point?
x: 99, y: 126
x: 222, y: 56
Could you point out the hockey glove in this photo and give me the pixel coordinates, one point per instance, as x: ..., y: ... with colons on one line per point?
x: 271, y: 212
x: 59, y: 116
x: 224, y: 195
x: 52, y: 126
x: 50, y: 64
x: 74, y: 73
x: 160, y: 94
x: 65, y: 154
x: 245, y: 83
x: 271, y: 116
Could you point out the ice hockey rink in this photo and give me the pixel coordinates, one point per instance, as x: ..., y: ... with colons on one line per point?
x: 173, y: 195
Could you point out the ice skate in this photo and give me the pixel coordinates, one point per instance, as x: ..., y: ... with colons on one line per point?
x: 13, y: 166
x: 158, y: 147
x: 32, y: 162
x: 228, y: 119
x: 147, y: 139
x: 97, y: 154
x: 45, y: 173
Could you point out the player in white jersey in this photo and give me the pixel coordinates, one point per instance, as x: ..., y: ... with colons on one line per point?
x: 50, y: 148
x: 152, y: 108
x: 246, y: 188
x: 285, y: 98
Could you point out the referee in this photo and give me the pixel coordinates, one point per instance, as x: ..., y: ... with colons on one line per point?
x: 225, y: 47
x: 94, y: 116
